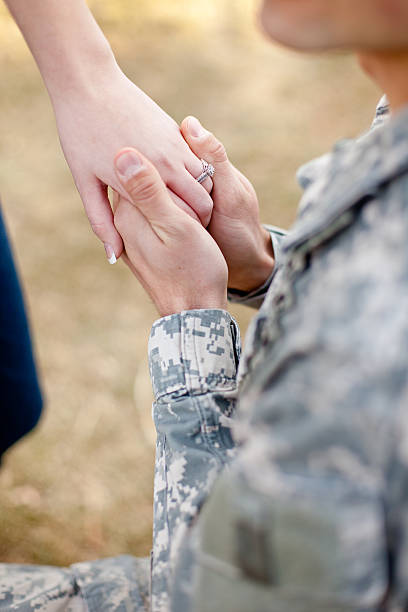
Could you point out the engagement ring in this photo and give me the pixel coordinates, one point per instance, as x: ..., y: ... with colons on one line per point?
x: 208, y: 170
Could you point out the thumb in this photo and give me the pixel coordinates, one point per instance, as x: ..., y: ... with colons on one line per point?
x: 144, y: 186
x: 206, y: 146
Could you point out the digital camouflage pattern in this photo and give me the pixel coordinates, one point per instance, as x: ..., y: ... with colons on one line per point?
x: 120, y: 584
x: 301, y: 453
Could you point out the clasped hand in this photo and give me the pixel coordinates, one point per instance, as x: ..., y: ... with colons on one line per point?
x: 181, y: 264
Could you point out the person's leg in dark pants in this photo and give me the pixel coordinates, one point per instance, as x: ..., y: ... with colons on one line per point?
x: 20, y: 394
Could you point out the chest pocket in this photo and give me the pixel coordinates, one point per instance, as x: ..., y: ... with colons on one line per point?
x: 259, y: 554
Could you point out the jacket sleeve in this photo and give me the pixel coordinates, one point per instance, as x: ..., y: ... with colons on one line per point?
x: 106, y: 585
x: 193, y: 359
x: 255, y: 298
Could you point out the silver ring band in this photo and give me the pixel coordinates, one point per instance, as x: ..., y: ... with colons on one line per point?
x: 208, y: 170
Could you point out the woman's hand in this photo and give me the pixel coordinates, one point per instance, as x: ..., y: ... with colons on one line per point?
x: 235, y: 224
x: 95, y: 123
x: 173, y: 256
x: 99, y: 111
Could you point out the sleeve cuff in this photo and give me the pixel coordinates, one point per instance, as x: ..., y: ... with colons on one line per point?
x: 194, y: 352
x: 255, y: 297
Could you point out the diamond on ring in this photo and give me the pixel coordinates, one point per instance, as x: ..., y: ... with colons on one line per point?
x: 208, y: 170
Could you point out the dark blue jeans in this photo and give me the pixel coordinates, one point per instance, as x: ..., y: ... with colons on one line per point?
x: 20, y: 394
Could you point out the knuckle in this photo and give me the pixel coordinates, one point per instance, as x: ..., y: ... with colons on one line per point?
x: 217, y: 150
x: 164, y: 163
x: 99, y: 228
x: 143, y: 188
x: 206, y: 214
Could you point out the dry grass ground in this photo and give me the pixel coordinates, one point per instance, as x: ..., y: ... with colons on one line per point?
x: 80, y: 487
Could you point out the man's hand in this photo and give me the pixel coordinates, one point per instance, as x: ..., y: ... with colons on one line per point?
x: 172, y: 255
x: 234, y: 225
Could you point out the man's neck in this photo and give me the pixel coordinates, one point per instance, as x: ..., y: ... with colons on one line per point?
x: 390, y: 71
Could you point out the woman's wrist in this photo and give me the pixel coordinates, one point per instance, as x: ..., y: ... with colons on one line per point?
x: 70, y: 49
x: 83, y: 73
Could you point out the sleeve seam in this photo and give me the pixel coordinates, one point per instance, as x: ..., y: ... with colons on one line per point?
x: 198, y: 392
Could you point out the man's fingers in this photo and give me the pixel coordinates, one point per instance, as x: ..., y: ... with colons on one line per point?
x: 205, y: 145
x: 144, y: 187
x: 99, y: 212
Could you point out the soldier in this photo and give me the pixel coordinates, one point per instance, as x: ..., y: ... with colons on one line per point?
x: 281, y: 474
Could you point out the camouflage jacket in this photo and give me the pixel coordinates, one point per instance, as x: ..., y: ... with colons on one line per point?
x: 280, y: 474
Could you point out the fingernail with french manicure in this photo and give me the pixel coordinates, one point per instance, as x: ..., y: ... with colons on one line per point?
x: 195, y: 127
x: 110, y: 253
x: 128, y: 164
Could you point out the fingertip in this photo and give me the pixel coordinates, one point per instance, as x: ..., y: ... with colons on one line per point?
x: 113, y: 247
x: 204, y: 210
x: 191, y: 127
x: 110, y: 253
x: 126, y: 150
x: 206, y: 217
x: 184, y: 124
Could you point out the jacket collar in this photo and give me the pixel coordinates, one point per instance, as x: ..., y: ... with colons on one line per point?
x: 355, y: 171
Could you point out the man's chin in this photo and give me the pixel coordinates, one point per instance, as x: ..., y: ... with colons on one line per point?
x: 323, y: 33
x: 297, y: 36
x: 303, y: 41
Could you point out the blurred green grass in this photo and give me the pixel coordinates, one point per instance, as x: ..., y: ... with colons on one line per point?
x: 80, y: 487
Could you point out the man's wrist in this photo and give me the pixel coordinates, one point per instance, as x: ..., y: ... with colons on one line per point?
x: 200, y: 302
x: 255, y: 274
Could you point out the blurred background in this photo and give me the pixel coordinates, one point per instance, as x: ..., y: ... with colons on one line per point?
x: 80, y: 487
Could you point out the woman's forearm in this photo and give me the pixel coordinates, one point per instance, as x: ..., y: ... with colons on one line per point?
x: 66, y: 42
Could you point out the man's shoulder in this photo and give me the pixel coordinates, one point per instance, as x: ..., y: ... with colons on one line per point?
x: 373, y: 167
